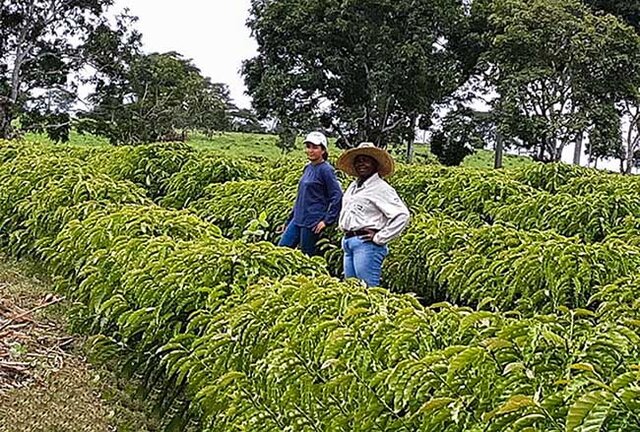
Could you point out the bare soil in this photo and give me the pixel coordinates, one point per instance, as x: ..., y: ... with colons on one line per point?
x: 46, y: 381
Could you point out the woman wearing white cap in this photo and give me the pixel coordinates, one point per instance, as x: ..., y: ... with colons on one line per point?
x: 318, y: 200
x: 372, y: 212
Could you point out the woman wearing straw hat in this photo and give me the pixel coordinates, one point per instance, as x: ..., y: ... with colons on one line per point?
x: 318, y: 200
x: 372, y: 212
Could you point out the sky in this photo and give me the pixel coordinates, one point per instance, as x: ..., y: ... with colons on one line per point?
x: 210, y: 32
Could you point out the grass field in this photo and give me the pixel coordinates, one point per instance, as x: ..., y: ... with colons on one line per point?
x: 246, y: 144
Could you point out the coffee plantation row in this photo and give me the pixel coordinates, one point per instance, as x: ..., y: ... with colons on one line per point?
x: 231, y: 333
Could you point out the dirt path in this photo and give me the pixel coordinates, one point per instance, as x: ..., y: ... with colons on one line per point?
x: 46, y: 383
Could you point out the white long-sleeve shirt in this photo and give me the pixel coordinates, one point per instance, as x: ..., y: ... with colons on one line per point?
x: 374, y: 205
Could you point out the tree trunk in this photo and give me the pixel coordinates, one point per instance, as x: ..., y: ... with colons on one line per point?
x: 497, y: 161
x: 629, y: 157
x: 577, y: 151
x: 411, y: 139
x: 589, y: 153
x: 5, y: 118
x: 7, y: 103
x: 541, y: 152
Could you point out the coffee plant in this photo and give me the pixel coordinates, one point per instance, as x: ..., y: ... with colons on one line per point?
x: 520, y: 310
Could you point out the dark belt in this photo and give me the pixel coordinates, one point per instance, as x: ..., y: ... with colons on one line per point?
x: 349, y: 234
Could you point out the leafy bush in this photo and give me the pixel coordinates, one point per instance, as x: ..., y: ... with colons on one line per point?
x: 232, y: 206
x: 592, y: 217
x: 552, y: 176
x: 248, y: 336
x: 501, y: 267
x: 149, y: 166
x: 301, y: 354
x: 39, y: 194
x: 190, y: 182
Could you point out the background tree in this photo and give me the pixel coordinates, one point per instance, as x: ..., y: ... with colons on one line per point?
x: 551, y: 61
x: 38, y: 47
x: 152, y: 98
x: 369, y: 70
x: 245, y: 120
x: 461, y: 132
x: 604, y: 133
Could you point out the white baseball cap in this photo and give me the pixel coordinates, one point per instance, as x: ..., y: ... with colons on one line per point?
x: 316, y: 138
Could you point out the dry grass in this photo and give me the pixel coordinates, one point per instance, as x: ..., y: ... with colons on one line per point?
x: 46, y: 383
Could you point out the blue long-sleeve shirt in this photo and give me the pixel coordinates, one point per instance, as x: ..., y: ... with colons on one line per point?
x: 319, y: 196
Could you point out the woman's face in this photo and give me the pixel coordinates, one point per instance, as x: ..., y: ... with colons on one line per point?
x: 314, y: 152
x: 365, y: 166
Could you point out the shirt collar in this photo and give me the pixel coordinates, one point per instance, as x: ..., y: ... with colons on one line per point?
x: 369, y: 182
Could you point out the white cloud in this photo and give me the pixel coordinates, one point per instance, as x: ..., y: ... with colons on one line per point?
x: 210, y: 32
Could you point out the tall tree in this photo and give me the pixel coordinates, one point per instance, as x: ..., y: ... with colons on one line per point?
x: 38, y: 51
x: 551, y: 62
x: 152, y: 97
x: 370, y: 70
x: 629, y: 153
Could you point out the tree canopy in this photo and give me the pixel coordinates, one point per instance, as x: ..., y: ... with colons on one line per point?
x: 156, y: 95
x: 368, y: 70
x: 552, y: 63
x: 38, y: 47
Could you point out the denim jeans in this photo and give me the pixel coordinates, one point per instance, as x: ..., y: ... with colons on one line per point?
x: 295, y: 235
x: 363, y: 260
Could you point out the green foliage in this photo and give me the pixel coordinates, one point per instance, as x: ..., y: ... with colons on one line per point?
x: 553, y: 62
x: 628, y: 10
x: 39, y: 194
x: 550, y: 177
x: 149, y: 166
x: 465, y: 194
x: 349, y: 359
x: 237, y: 335
x: 103, y: 229
x: 38, y: 58
x: 190, y: 182
x: 153, y: 96
x: 591, y: 217
x: 462, y: 132
x: 233, y: 205
x: 309, y: 62
x: 502, y: 268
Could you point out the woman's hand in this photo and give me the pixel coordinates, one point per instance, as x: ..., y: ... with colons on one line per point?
x: 320, y: 227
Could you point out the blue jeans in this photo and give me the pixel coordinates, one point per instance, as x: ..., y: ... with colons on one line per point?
x: 363, y: 260
x: 295, y: 235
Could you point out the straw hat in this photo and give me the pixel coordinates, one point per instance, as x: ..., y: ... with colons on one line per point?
x: 385, y: 162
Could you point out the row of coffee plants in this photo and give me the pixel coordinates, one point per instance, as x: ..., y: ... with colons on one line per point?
x: 137, y: 272
x: 551, y: 177
x: 192, y: 315
x: 588, y: 204
x: 503, y: 268
x: 592, y: 217
x: 463, y: 194
x: 314, y: 354
x: 39, y: 194
x: 490, y: 265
